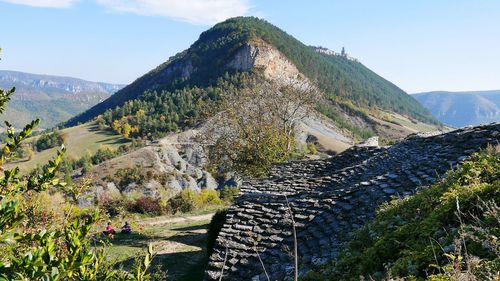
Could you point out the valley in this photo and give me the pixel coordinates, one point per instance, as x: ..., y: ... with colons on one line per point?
x: 54, y: 99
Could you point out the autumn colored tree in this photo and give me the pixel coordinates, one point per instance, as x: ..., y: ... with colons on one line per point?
x: 255, y: 126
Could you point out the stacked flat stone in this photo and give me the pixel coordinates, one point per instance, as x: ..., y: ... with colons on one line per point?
x: 329, y: 199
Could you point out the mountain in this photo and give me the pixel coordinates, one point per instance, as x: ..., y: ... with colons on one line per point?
x: 53, y: 99
x: 460, y: 109
x: 232, y: 52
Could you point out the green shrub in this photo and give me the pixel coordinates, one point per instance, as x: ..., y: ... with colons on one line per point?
x: 189, y: 199
x: 311, y: 149
x: 112, y: 206
x: 48, y: 140
x: 147, y: 205
x: 207, y: 197
x: 416, y: 236
x: 228, y: 193
x: 103, y: 154
x: 183, y: 202
x: 127, y: 176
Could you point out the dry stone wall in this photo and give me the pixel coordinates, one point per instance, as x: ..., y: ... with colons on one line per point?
x: 329, y: 199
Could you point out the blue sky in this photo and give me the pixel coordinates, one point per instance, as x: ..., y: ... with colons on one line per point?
x: 420, y: 45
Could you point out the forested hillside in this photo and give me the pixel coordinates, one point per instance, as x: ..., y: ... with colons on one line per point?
x: 202, y: 71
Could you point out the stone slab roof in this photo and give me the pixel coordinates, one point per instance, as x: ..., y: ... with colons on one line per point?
x: 329, y: 199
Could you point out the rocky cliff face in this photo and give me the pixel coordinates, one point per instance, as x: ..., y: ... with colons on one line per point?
x: 181, y: 69
x: 329, y: 199
x: 35, y: 83
x: 257, y: 54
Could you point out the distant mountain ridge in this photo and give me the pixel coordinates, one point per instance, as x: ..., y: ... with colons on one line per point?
x: 53, y: 99
x: 460, y: 109
x: 54, y: 84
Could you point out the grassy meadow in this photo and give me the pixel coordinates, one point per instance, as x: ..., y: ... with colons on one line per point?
x: 179, y: 244
x: 79, y: 140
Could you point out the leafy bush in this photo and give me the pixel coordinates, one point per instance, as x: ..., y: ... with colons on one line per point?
x: 85, y: 163
x: 207, y: 197
x: 103, y: 154
x: 48, y: 140
x: 184, y: 201
x: 228, y: 193
x: 311, y: 148
x: 189, y: 199
x: 127, y: 176
x: 112, y: 206
x: 147, y: 205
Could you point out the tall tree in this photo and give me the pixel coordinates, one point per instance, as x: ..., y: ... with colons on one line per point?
x: 254, y: 127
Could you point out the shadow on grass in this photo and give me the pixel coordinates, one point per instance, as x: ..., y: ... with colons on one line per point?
x: 191, y: 228
x: 191, y: 239
x: 106, y: 132
x: 115, y: 141
x: 187, y: 266
x: 183, y: 266
x: 94, y: 128
x: 134, y: 239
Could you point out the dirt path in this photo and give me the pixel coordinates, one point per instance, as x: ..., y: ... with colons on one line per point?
x: 170, y: 220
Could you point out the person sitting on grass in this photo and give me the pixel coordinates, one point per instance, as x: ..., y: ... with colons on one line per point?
x: 110, y: 232
x: 126, y: 229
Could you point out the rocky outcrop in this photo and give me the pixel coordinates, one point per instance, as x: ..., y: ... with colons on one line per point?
x: 373, y: 141
x: 329, y: 199
x: 275, y: 66
x: 33, y: 85
x: 169, y: 165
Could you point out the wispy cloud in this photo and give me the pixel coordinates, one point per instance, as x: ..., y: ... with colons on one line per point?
x: 192, y: 11
x: 43, y: 3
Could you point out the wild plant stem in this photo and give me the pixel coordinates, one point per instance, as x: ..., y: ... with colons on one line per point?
x: 262, y: 263
x: 223, y: 265
x: 295, y: 247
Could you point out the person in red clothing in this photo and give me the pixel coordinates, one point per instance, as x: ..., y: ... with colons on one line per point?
x: 109, y: 230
